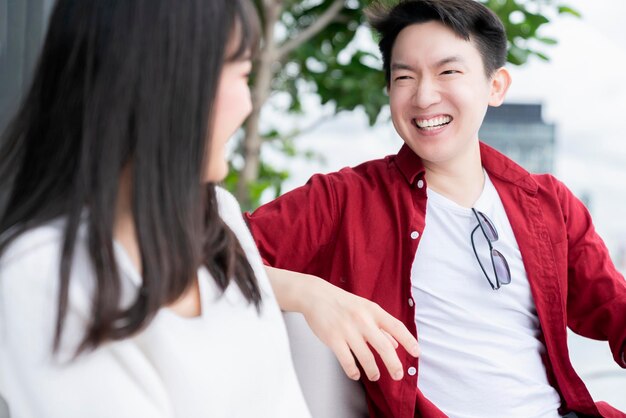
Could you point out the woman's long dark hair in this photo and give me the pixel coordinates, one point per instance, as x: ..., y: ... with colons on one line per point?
x: 128, y: 83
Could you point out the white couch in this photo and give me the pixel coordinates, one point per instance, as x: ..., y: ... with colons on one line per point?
x: 329, y: 393
x: 4, y: 409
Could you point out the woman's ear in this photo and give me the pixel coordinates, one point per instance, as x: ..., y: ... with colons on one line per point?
x: 500, y: 82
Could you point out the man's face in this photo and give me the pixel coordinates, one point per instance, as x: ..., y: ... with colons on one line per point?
x: 439, y: 92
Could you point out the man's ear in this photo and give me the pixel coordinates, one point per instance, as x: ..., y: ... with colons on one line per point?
x: 500, y: 82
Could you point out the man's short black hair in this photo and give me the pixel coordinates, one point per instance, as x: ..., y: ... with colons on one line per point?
x: 469, y: 19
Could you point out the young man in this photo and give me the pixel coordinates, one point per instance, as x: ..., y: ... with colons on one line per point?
x: 487, y: 264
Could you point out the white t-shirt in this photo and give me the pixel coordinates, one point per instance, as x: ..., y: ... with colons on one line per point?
x: 481, y: 349
x: 227, y: 362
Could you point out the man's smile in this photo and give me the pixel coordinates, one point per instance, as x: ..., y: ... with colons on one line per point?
x: 431, y: 123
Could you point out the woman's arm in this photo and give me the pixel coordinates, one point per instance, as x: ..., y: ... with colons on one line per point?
x: 346, y: 323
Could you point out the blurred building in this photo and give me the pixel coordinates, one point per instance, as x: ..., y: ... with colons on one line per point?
x: 22, y: 28
x: 519, y: 131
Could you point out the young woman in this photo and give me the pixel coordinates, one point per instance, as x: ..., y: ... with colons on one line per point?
x: 129, y: 284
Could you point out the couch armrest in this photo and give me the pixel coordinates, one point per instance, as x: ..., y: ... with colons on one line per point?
x: 4, y: 408
x: 329, y: 393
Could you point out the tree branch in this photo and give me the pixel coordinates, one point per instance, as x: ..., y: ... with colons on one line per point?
x: 252, y: 141
x: 316, y: 27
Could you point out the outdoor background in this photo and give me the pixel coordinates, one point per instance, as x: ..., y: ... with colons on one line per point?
x: 320, y: 106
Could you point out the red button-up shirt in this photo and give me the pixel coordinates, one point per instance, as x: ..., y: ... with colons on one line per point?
x: 355, y: 228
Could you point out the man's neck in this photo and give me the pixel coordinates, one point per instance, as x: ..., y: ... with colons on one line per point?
x: 460, y: 180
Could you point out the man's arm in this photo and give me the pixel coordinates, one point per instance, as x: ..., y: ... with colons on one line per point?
x: 596, y: 303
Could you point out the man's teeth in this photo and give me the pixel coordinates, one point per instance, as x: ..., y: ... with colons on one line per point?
x: 434, y: 122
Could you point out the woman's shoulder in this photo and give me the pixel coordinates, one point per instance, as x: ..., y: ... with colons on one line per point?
x: 230, y: 211
x: 29, y: 271
x: 35, y: 248
x: 231, y: 214
x: 226, y: 201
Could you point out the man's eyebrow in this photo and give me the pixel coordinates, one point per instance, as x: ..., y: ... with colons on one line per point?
x: 451, y: 59
x: 401, y: 66
x: 441, y: 62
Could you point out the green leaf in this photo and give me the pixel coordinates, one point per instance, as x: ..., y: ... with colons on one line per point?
x: 541, y: 56
x: 517, y: 55
x: 536, y: 20
x: 568, y: 10
x: 548, y: 41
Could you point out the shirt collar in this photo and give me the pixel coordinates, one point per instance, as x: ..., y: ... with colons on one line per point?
x: 409, y: 164
x: 494, y: 162
x: 502, y: 167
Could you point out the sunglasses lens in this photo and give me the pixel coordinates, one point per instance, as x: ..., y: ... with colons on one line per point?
x: 502, y: 267
x: 488, y: 227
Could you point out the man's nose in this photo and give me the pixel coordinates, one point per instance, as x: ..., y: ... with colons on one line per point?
x: 426, y: 94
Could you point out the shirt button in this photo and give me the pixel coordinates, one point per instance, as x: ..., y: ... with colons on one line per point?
x: 415, y: 235
x: 412, y: 370
x: 420, y: 183
x: 411, y: 303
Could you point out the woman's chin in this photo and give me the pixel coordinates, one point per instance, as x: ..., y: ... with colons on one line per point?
x: 217, y: 172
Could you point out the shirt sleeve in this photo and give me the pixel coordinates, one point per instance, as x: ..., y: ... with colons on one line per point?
x: 296, y: 228
x: 115, y: 380
x: 596, y: 302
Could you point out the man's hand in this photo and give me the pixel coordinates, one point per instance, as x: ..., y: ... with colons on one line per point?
x: 349, y: 325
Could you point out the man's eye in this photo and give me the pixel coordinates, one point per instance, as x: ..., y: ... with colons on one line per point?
x: 447, y: 72
x: 403, y: 77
